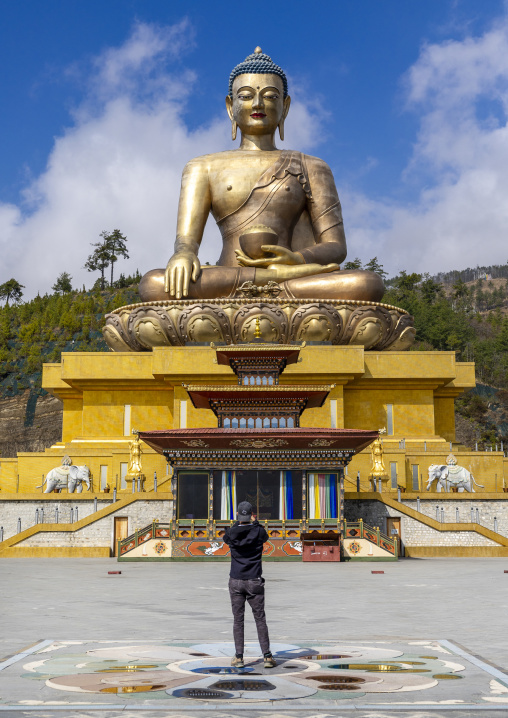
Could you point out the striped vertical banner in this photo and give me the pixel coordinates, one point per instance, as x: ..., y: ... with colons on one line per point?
x: 228, y: 496
x: 322, y: 496
x: 286, y: 496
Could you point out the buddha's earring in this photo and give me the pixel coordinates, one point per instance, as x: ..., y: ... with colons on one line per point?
x: 281, y: 130
x: 234, y: 127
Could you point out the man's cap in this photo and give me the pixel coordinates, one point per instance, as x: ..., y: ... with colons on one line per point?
x: 244, y: 508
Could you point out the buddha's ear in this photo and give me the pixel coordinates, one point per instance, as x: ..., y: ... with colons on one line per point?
x: 285, y: 111
x: 229, y: 106
x: 287, y: 103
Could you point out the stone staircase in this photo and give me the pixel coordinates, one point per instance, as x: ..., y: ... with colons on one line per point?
x: 438, y: 538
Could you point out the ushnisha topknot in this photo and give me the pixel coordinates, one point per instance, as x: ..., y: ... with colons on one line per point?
x: 258, y: 64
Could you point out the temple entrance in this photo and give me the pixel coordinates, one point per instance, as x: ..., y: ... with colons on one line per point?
x: 275, y: 495
x: 261, y: 489
x: 393, y: 531
x: 121, y: 531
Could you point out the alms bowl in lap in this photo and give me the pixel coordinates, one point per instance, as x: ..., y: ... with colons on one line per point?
x: 375, y: 326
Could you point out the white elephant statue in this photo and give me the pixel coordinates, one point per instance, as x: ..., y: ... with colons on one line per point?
x: 69, y: 477
x: 449, y: 476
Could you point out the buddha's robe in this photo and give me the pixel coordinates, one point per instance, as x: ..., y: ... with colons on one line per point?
x: 297, y: 198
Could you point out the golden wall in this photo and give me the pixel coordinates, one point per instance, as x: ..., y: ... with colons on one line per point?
x: 107, y: 395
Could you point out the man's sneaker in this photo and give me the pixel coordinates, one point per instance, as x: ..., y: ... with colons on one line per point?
x: 238, y: 662
x: 270, y: 661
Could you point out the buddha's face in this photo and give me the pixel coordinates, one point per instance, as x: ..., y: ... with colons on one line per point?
x: 258, y: 103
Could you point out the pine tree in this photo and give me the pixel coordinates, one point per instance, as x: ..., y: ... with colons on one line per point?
x: 355, y: 264
x: 63, y: 283
x: 374, y: 266
x: 11, y: 290
x: 99, y: 260
x: 117, y: 247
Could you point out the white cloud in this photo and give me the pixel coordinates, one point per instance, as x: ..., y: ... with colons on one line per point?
x: 460, y: 162
x: 119, y: 165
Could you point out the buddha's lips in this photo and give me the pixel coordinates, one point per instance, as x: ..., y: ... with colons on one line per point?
x: 258, y: 115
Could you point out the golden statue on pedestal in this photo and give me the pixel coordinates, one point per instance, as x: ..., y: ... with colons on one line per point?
x: 283, y: 241
x: 292, y: 194
x: 134, y: 469
x: 378, y: 470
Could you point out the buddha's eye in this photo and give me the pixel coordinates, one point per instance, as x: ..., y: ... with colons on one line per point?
x: 245, y: 96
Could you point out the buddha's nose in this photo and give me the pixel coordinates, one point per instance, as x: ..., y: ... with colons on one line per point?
x: 258, y: 103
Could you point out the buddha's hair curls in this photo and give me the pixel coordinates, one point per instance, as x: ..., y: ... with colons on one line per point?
x: 258, y: 64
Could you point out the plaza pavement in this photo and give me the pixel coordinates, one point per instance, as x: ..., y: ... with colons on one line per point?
x: 462, y: 600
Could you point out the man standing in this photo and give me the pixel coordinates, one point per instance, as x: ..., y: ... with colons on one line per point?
x: 245, y: 539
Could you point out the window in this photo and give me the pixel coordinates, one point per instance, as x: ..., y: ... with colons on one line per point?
x: 389, y: 419
x: 183, y: 415
x: 393, y: 474
x: 192, y: 495
x: 127, y: 420
x: 415, y: 472
x: 104, y: 476
x: 123, y: 474
x: 333, y: 413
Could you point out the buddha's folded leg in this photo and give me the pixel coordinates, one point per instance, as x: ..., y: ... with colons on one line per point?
x: 212, y: 283
x: 346, y: 284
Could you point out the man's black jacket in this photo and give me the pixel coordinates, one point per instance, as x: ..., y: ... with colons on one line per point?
x: 246, y: 544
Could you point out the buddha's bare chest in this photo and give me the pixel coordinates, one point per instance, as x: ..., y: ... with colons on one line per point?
x: 233, y: 178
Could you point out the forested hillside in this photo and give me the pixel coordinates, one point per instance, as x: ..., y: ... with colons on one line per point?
x: 470, y: 318
x: 40, y: 330
x: 452, y: 312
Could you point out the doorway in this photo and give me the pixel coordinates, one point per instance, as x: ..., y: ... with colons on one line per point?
x: 393, y: 530
x: 273, y: 494
x: 121, y: 531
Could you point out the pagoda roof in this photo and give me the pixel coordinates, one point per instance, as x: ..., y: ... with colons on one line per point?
x: 315, y: 394
x: 314, y: 439
x: 289, y: 352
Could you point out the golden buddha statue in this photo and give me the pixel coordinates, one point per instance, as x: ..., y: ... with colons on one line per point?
x: 286, y: 200
x: 378, y: 470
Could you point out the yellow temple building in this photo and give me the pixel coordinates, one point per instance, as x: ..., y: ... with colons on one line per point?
x: 108, y: 395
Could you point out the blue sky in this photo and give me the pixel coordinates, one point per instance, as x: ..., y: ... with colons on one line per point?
x: 104, y: 102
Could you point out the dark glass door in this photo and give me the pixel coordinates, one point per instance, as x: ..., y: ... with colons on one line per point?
x: 262, y: 490
x: 193, y: 495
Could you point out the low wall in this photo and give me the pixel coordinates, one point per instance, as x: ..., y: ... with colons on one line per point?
x: 99, y: 533
x: 488, y: 510
x: 417, y: 534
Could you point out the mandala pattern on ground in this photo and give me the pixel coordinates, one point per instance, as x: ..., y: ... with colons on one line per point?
x: 160, y: 548
x: 354, y: 547
x: 186, y: 672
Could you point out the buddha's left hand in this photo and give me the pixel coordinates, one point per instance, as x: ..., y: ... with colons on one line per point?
x: 283, y: 255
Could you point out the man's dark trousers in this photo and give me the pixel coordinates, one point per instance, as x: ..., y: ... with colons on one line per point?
x: 252, y: 590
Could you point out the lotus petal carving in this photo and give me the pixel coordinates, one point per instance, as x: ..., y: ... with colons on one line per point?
x: 376, y: 327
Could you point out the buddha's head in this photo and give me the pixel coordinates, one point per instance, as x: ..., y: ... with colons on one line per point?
x: 258, y: 100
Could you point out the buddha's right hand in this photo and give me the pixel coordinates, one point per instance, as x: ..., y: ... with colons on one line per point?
x: 182, y: 268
